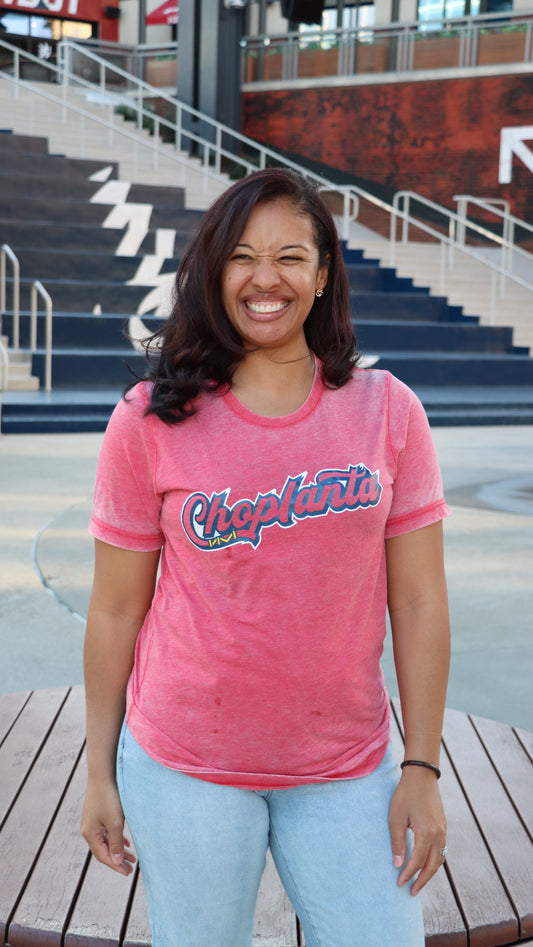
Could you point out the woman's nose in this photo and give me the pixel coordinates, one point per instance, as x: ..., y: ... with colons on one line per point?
x: 266, y: 274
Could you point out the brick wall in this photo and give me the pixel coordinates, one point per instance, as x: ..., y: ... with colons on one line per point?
x: 439, y: 137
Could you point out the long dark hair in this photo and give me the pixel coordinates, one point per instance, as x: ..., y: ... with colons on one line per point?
x: 197, y: 348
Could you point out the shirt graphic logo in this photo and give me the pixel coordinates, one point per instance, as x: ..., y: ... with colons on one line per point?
x: 212, y: 523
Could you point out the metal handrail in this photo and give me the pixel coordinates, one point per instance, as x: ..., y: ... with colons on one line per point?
x: 152, y: 145
x: 219, y: 131
x: 4, y: 375
x: 6, y: 251
x: 38, y: 289
x: 451, y: 242
x: 509, y: 249
x: 4, y: 362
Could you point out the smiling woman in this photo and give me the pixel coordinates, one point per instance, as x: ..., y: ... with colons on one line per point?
x: 269, y: 286
x: 271, y: 279
x: 289, y: 497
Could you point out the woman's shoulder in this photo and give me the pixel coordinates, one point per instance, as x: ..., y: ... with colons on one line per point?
x: 137, y: 398
x: 379, y: 384
x: 130, y: 412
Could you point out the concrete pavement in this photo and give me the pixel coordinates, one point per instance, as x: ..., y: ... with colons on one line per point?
x: 46, y: 563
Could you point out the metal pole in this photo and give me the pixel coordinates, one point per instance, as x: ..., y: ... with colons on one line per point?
x: 142, y: 22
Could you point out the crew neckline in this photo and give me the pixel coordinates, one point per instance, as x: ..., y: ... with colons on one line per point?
x: 285, y: 420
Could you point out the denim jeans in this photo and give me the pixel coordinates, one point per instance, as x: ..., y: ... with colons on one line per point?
x: 202, y: 849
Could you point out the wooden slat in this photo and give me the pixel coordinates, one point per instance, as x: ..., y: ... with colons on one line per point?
x: 30, y: 817
x: 487, y: 910
x: 10, y: 707
x: 505, y: 835
x: 23, y: 742
x: 526, y: 739
x: 489, y: 914
x: 42, y: 913
x: 513, y: 764
x: 101, y: 908
x: 275, y: 920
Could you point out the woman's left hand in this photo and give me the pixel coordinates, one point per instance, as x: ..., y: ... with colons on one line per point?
x: 416, y: 805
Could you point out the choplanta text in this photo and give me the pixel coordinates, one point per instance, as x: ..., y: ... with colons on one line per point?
x: 212, y: 523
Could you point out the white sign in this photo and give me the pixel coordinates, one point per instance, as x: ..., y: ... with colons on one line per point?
x: 69, y: 7
x: 512, y: 142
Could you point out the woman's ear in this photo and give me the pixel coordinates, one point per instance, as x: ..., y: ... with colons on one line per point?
x: 322, y: 277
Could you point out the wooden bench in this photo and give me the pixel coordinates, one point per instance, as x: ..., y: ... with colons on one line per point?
x: 52, y: 892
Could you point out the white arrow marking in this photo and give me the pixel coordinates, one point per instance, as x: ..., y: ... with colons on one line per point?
x: 101, y: 175
x: 512, y: 142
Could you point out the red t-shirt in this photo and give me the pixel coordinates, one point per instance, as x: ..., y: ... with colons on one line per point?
x: 258, y: 664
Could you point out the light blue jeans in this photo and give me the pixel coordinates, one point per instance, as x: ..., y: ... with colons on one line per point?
x: 202, y: 849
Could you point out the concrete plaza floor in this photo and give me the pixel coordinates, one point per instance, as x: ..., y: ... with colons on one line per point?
x: 46, y: 559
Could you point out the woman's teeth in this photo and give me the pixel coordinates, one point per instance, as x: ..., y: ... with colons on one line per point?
x: 266, y: 307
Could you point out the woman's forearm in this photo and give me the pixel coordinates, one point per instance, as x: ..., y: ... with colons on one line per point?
x: 123, y: 589
x: 108, y: 659
x: 421, y: 644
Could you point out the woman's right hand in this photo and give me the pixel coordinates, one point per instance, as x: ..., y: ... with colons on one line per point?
x: 102, y: 827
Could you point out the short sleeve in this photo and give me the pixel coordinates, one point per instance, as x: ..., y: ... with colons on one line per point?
x: 127, y: 504
x: 418, y: 498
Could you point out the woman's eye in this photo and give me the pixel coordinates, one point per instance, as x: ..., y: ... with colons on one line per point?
x: 290, y: 259
x: 241, y: 258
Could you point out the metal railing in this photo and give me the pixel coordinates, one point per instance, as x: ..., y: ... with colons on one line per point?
x: 134, y: 60
x: 454, y: 240
x: 511, y: 254
x: 7, y: 253
x: 458, y: 43
x: 4, y: 375
x: 218, y: 146
x: 38, y: 289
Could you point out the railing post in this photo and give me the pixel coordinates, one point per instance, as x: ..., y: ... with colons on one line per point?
x: 461, y: 214
x: 64, y: 78
x: 7, y: 251
x: 393, y: 224
x: 494, y: 273
x: 442, y: 268
x: 452, y: 233
x: 218, y: 149
x: 528, y: 44
x: 157, y: 141
x: 4, y: 375
x: 345, y: 215
x: 405, y: 221
x: 38, y: 289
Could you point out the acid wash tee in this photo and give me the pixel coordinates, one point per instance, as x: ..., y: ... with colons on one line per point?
x: 258, y: 663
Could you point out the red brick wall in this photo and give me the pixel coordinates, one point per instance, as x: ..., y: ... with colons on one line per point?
x: 439, y: 137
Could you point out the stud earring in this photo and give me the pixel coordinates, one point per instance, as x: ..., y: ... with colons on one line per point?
x: 319, y: 293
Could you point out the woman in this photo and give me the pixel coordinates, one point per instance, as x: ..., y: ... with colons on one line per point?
x: 288, y: 497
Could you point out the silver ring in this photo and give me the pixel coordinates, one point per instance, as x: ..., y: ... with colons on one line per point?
x: 444, y: 851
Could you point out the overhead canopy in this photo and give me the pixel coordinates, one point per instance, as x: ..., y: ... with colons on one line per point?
x: 166, y: 14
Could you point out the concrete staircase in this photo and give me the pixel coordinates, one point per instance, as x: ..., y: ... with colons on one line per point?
x: 20, y: 376
x: 468, y: 284
x: 41, y: 109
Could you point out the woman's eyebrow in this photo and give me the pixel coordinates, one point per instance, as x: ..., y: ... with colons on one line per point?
x: 290, y: 246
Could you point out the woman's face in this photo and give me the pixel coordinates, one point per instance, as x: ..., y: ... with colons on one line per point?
x: 270, y: 280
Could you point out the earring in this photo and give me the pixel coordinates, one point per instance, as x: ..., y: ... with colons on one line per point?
x: 319, y: 293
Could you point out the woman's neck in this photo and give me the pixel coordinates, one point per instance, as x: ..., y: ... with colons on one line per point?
x: 272, y: 387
